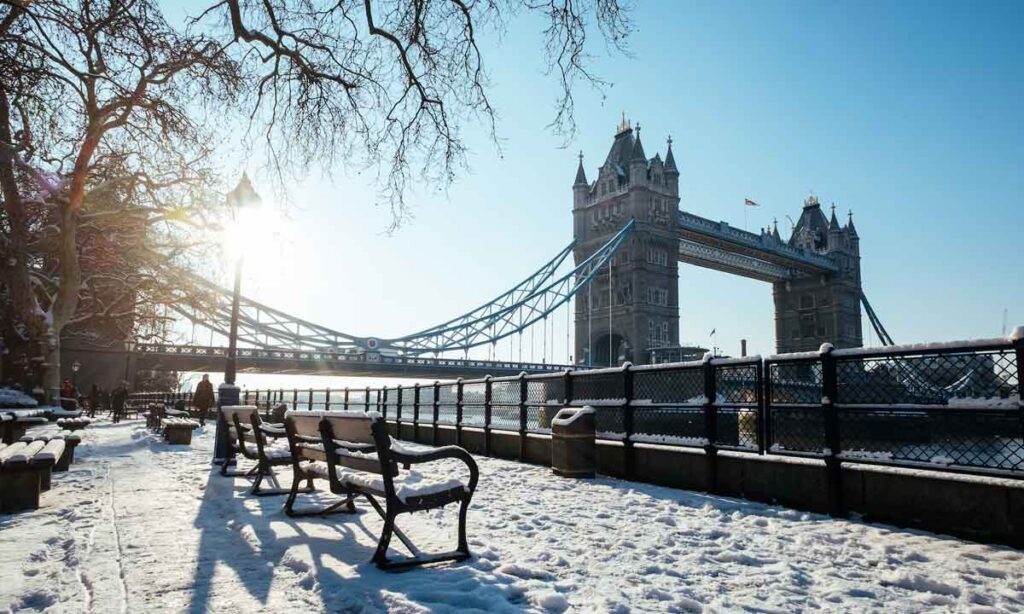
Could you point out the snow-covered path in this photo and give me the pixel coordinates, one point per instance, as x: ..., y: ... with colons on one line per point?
x: 140, y: 526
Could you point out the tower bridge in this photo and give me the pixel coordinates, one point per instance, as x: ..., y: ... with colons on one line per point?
x: 621, y: 286
x: 632, y: 313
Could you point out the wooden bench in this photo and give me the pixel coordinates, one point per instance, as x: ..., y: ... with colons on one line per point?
x: 178, y: 431
x: 73, y: 424
x: 154, y: 416
x: 259, y: 441
x: 20, y: 421
x: 353, y: 451
x: 71, y: 442
x: 25, y: 470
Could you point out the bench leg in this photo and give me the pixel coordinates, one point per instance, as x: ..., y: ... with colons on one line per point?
x: 67, y: 457
x: 334, y: 508
x: 267, y: 473
x: 231, y: 461
x: 19, y: 491
x: 380, y: 557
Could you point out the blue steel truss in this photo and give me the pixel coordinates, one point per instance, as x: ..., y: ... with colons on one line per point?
x: 492, y: 323
x: 208, y: 305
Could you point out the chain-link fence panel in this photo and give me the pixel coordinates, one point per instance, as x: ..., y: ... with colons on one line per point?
x: 669, y: 385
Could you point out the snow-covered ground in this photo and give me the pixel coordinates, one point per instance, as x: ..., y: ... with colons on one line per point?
x: 140, y: 526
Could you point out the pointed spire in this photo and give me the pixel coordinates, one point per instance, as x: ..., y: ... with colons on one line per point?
x: 624, y: 124
x: 581, y: 175
x: 638, y: 148
x: 833, y: 224
x: 849, y: 224
x: 670, y: 160
x: 775, y: 230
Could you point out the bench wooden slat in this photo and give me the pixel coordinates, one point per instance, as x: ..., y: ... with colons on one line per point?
x: 24, y: 455
x: 10, y: 450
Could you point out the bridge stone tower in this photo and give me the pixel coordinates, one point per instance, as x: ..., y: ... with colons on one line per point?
x: 635, y: 308
x: 811, y: 309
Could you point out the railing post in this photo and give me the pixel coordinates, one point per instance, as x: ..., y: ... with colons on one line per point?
x: 257, y: 401
x: 295, y: 398
x: 382, y: 402
x: 762, y: 388
x: 245, y: 397
x: 627, y: 419
x: 567, y: 386
x: 1017, y: 338
x: 309, y: 401
x: 346, y: 398
x: 487, y: 415
x: 415, y: 410
x: 458, y: 412
x: 398, y: 411
x: 280, y: 395
x: 437, y: 410
x: 710, y: 423
x: 833, y: 467
x: 522, y: 415
x: 366, y: 399
x: 327, y: 399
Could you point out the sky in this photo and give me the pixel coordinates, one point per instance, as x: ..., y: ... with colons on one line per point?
x: 908, y: 113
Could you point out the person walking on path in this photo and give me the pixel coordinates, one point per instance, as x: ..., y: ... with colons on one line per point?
x: 117, y: 401
x: 94, y: 399
x: 203, y: 399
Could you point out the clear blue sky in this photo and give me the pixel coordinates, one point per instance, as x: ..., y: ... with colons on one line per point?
x: 909, y: 113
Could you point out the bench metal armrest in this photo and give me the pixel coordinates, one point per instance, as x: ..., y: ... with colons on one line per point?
x: 435, y: 454
x: 273, y: 430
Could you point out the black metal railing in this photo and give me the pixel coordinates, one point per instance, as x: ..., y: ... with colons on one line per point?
x: 952, y: 407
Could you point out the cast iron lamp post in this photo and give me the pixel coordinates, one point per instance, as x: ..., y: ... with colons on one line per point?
x: 242, y: 200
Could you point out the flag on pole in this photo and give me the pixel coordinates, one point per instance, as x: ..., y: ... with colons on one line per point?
x: 750, y: 203
x: 712, y: 333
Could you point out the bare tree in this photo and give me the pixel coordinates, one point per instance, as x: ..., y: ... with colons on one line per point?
x: 103, y: 150
x: 107, y: 112
x: 390, y: 83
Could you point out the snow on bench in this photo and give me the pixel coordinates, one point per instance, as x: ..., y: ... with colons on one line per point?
x: 73, y: 424
x: 178, y: 431
x: 25, y: 471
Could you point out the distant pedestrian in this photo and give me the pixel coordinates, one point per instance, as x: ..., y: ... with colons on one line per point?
x: 94, y: 399
x: 203, y: 399
x: 117, y: 401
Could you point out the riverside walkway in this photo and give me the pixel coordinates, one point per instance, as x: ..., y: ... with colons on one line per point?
x: 139, y: 525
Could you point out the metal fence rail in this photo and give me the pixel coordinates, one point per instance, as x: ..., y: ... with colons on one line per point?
x: 952, y: 407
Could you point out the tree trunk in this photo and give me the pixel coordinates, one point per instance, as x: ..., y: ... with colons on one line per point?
x: 51, y: 367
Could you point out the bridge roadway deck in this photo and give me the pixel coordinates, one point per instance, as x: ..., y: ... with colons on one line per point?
x: 297, y: 362
x: 719, y: 246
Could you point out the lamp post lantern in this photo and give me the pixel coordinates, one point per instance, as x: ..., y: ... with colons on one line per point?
x: 240, y: 200
x: 75, y: 366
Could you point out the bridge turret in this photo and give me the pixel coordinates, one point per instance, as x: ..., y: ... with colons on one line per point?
x: 671, y: 172
x: 580, y: 187
x: 851, y: 234
x: 811, y: 309
x: 634, y: 309
x: 637, y: 161
x: 836, y: 240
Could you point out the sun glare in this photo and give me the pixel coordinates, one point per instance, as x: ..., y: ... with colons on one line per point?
x: 250, y: 231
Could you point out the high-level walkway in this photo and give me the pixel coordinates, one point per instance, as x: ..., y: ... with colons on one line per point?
x: 141, y: 526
